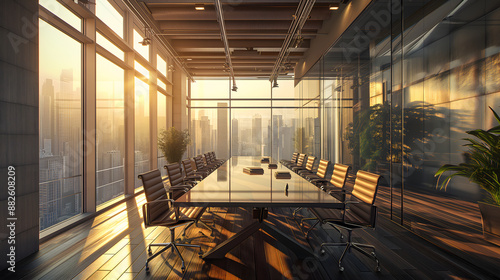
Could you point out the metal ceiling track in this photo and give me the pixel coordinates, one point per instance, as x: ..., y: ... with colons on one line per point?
x: 223, y: 34
x: 155, y: 31
x: 299, y: 19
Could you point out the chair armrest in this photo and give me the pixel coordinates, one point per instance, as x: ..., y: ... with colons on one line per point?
x: 145, y: 209
x: 179, y: 188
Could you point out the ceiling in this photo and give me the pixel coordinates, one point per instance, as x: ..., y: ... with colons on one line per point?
x: 255, y: 31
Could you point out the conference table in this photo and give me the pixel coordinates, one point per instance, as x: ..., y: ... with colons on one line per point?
x: 230, y: 186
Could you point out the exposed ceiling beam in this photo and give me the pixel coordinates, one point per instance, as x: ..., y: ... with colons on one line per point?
x: 241, y: 12
x: 200, y: 25
x: 182, y: 44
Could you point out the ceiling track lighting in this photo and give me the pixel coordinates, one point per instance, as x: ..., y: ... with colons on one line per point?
x: 171, y: 68
x: 147, y: 40
x: 199, y: 7
x: 223, y: 35
x: 275, y: 83
x: 293, y: 35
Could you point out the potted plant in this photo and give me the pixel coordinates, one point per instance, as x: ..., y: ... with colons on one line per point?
x: 173, y: 143
x: 482, y: 166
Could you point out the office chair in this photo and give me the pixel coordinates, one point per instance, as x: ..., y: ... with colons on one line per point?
x: 361, y: 214
x: 309, y: 165
x: 300, y: 161
x: 190, y: 172
x: 293, y: 160
x: 201, y: 166
x: 158, y: 211
x: 320, y: 173
x: 176, y: 178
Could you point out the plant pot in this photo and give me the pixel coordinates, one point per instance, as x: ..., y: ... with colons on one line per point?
x: 490, y: 215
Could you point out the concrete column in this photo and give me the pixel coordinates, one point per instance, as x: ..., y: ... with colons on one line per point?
x: 19, y: 127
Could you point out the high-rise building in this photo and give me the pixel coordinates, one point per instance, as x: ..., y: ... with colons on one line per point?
x: 222, y: 138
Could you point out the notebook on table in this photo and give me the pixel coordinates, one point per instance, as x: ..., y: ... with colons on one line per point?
x: 253, y: 170
x: 282, y: 175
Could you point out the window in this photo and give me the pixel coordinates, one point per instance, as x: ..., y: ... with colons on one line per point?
x: 109, y: 15
x: 112, y: 48
x: 142, y: 139
x: 161, y: 65
x: 60, y: 117
x: 161, y: 84
x: 63, y: 13
x: 110, y: 128
x: 141, y: 69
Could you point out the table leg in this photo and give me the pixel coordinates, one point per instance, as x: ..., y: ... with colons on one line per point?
x: 223, y: 248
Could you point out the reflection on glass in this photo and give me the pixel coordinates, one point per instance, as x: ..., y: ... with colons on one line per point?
x: 252, y: 88
x: 105, y: 11
x: 162, y: 125
x: 62, y: 12
x: 142, y: 50
x: 161, y: 65
x: 141, y: 121
x: 112, y: 48
x: 60, y: 126
x: 143, y: 70
x: 110, y: 127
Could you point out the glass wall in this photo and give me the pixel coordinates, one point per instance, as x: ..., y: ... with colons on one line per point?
x: 110, y: 130
x: 398, y: 90
x: 60, y: 135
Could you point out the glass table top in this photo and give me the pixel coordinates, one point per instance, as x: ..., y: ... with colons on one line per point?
x: 230, y: 186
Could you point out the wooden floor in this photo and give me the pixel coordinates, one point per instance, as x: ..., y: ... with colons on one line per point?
x: 114, y: 246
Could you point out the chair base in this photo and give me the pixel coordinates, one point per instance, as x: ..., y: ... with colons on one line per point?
x: 358, y: 246
x: 174, y: 248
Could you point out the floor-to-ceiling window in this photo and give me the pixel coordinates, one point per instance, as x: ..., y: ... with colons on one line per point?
x: 110, y: 130
x: 87, y: 86
x: 60, y: 135
x: 161, y: 119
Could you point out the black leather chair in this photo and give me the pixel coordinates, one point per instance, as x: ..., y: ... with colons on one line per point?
x: 201, y: 166
x: 158, y: 211
x: 300, y: 162
x: 320, y: 171
x: 309, y: 165
x: 190, y: 172
x: 176, y: 178
x: 359, y: 213
x: 335, y: 187
x: 293, y: 160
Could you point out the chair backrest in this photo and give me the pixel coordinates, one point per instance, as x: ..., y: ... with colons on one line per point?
x: 188, y: 167
x: 364, y: 192
x: 198, y: 161
x: 339, y: 175
x: 300, y: 160
x: 154, y: 190
x: 310, y: 162
x: 294, y: 157
x: 208, y: 158
x: 174, y: 173
x: 322, y: 167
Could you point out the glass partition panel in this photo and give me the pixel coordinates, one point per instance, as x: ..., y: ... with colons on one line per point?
x: 162, y: 125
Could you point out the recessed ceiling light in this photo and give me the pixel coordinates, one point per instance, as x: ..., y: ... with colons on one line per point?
x: 189, y: 59
x: 199, y: 7
x: 333, y: 7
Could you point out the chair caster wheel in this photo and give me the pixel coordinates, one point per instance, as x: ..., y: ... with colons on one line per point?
x: 183, y: 269
x: 378, y: 268
x: 149, y: 251
x: 322, y: 252
x: 200, y: 254
x: 147, y: 269
x: 341, y: 268
x: 341, y: 237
